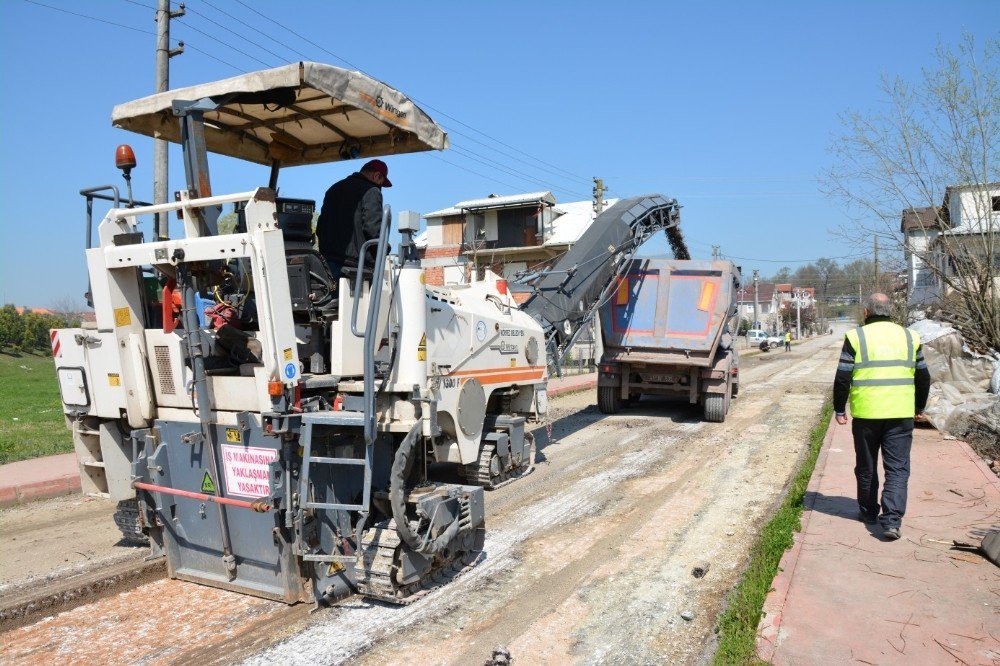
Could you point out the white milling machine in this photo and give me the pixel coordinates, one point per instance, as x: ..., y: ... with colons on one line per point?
x: 286, y: 441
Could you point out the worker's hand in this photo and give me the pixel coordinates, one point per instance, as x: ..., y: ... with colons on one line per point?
x: 842, y: 419
x: 920, y: 417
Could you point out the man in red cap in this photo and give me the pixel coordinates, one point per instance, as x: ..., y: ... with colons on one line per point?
x: 352, y: 214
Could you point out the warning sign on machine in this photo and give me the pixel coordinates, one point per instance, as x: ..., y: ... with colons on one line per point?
x: 247, y: 470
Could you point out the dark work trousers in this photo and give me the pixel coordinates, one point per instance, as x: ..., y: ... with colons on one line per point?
x: 894, y: 437
x: 336, y: 268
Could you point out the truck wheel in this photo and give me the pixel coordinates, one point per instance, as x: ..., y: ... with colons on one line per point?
x: 715, y: 407
x: 609, y: 399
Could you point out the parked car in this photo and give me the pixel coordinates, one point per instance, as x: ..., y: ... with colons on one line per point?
x: 755, y: 336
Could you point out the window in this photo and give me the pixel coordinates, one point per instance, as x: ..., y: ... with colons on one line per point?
x: 995, y: 204
x: 516, y: 227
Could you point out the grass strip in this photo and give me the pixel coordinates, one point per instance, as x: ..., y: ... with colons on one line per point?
x: 31, y: 416
x: 737, y: 628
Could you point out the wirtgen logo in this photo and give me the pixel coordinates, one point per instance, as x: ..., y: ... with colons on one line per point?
x: 383, y: 108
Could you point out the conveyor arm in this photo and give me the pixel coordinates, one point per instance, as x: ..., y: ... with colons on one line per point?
x: 566, y: 297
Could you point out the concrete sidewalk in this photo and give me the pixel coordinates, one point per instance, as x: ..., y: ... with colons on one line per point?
x: 52, y: 476
x: 40, y: 478
x: 843, y: 595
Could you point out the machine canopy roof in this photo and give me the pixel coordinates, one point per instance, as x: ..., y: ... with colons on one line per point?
x: 303, y: 113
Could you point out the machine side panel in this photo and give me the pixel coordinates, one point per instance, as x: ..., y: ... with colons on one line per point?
x: 97, y: 355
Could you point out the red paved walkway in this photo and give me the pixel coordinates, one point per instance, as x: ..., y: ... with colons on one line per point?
x: 569, y: 384
x: 29, y: 480
x: 844, y: 596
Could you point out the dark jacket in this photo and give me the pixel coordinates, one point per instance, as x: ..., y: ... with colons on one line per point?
x: 845, y: 375
x: 351, y: 214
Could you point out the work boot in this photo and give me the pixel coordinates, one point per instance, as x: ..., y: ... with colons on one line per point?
x: 891, y: 533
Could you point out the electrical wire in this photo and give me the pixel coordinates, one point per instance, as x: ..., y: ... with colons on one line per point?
x: 473, y: 171
x: 515, y: 172
x: 212, y: 37
x: 88, y: 17
x: 794, y: 261
x: 91, y: 18
x: 422, y: 103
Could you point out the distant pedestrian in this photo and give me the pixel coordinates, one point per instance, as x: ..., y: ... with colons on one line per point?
x: 788, y: 340
x: 883, y: 372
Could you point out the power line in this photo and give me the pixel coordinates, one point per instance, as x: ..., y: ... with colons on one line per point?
x: 188, y: 25
x: 132, y: 28
x: 512, y: 171
x: 473, y: 171
x: 228, y: 29
x: 795, y: 261
x: 351, y: 64
x: 438, y: 111
x: 91, y: 18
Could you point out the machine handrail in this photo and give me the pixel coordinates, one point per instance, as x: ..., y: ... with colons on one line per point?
x: 358, y: 280
x: 374, y: 305
x: 91, y: 193
x: 204, y: 202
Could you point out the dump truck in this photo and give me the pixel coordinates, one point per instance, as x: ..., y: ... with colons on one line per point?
x: 669, y: 329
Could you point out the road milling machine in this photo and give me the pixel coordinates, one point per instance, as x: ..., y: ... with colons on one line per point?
x: 274, y: 431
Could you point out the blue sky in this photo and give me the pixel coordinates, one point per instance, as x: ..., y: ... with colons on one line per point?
x: 729, y: 107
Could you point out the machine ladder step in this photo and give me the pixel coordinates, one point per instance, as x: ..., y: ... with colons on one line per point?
x: 332, y: 418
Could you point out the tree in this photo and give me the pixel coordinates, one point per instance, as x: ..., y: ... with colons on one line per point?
x: 68, y: 309
x: 11, y: 328
x: 930, y: 135
x: 783, y: 275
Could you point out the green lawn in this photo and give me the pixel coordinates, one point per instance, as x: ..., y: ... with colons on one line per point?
x: 31, y: 418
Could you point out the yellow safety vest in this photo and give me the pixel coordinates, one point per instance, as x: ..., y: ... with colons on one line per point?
x: 885, y: 360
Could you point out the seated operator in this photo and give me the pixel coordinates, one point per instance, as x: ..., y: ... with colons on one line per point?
x: 351, y: 214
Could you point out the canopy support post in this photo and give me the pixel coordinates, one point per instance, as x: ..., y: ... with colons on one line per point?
x: 272, y: 182
x: 199, y: 183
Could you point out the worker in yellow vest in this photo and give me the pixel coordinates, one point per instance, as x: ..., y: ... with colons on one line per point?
x: 883, y: 372
x: 788, y: 339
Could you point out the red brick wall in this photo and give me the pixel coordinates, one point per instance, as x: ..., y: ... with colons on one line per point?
x: 441, y: 251
x: 434, y: 275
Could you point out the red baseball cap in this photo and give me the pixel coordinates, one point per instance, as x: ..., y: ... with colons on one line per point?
x: 378, y: 166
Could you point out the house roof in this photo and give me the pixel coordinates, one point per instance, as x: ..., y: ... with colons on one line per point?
x: 923, y: 218
x: 573, y: 219
x: 570, y: 219
x: 494, y: 201
x: 970, y: 186
x: 765, y: 292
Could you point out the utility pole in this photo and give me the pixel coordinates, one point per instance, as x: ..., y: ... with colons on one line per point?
x: 798, y: 315
x: 756, y: 304
x: 161, y: 228
x: 599, y: 191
